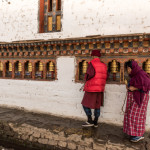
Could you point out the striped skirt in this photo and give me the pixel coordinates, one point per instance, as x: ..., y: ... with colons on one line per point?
x: 135, y: 117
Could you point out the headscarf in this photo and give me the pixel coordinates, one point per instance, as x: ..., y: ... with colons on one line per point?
x: 141, y: 80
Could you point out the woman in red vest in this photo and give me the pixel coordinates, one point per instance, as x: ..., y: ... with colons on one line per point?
x: 95, y: 77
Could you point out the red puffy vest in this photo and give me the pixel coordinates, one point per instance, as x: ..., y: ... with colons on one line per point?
x: 97, y: 83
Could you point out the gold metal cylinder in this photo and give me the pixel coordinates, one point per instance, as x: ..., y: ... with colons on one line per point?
x: 51, y: 66
x: 84, y: 66
x: 19, y: 67
x: 10, y: 66
x: 29, y: 67
x: 1, y: 66
x: 114, y: 68
x: 125, y: 82
x: 147, y: 66
x: 40, y: 66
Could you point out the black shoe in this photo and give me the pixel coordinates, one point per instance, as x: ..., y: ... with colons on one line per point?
x: 96, y: 125
x: 88, y: 124
x: 95, y: 122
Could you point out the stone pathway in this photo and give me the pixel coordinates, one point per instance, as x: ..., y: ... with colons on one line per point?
x: 41, y: 131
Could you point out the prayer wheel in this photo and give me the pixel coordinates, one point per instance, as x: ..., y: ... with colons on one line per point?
x: 29, y: 67
x: 51, y: 69
x: 1, y: 66
x: 10, y: 66
x: 19, y: 67
x: 126, y: 82
x: 114, y: 68
x: 51, y: 66
x: 84, y: 67
x: 147, y: 66
x: 40, y: 66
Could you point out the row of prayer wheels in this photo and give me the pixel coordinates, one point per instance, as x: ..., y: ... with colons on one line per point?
x: 114, y: 67
x: 40, y: 66
x: 51, y: 66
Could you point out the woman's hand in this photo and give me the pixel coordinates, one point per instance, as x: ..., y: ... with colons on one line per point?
x: 132, y: 88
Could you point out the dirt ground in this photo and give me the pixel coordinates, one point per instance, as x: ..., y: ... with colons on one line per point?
x: 105, y: 134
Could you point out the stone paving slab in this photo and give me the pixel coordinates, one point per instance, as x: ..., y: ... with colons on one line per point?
x: 45, y: 131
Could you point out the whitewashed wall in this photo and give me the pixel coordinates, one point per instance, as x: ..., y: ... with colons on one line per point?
x: 61, y: 97
x: 19, y: 19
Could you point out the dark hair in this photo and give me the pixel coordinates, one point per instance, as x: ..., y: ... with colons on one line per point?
x: 129, y: 64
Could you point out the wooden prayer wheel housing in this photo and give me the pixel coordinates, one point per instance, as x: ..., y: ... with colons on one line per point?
x: 84, y: 67
x: 147, y: 66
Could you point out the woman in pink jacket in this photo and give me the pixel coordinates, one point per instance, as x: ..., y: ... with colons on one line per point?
x: 95, y: 77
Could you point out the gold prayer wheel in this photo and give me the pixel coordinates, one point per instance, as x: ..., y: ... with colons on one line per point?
x: 10, y: 66
x: 147, y: 66
x: 1, y: 66
x: 51, y: 66
x: 29, y: 67
x: 84, y: 67
x: 19, y: 67
x: 40, y: 66
x: 125, y: 82
x: 114, y: 68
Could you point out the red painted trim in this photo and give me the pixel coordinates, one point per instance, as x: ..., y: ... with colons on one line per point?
x: 57, y: 6
x: 41, y: 17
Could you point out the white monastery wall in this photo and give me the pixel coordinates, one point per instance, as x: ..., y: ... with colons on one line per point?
x: 19, y: 19
x: 62, y: 97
